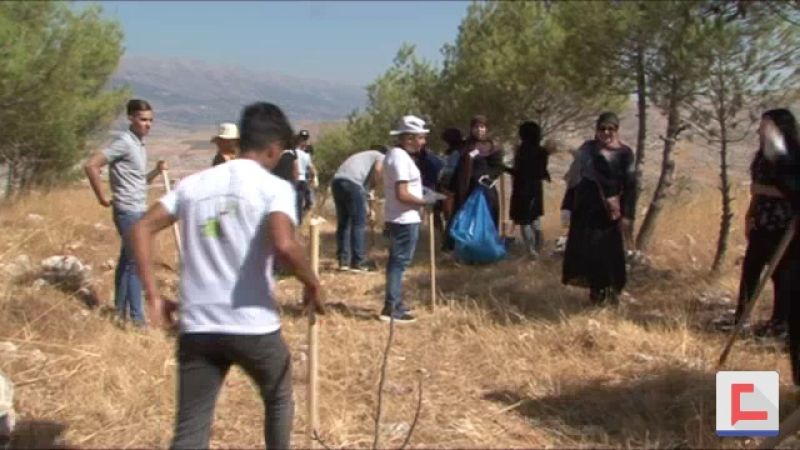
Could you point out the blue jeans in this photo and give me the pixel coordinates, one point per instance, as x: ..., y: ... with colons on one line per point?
x: 127, y: 286
x: 403, y: 243
x: 351, y: 221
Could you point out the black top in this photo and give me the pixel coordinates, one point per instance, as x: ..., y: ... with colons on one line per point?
x: 770, y: 213
x: 285, y: 167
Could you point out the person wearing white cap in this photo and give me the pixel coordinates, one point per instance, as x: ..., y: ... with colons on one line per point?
x: 402, y: 185
x: 227, y: 141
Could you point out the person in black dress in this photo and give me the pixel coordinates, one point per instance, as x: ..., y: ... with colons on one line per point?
x: 766, y: 221
x: 527, y: 196
x: 602, y: 182
x: 780, y: 144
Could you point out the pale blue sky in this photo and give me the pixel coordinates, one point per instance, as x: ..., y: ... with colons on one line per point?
x: 351, y: 41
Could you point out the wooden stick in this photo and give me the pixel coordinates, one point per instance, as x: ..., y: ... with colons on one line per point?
x: 501, y: 222
x: 175, y: 230
x: 788, y: 427
x: 313, y: 343
x: 750, y: 302
x: 432, y: 250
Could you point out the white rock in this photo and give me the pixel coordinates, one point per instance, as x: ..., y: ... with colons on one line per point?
x: 109, y: 264
x: 34, y: 218
x: 100, y: 227
x: 39, y: 283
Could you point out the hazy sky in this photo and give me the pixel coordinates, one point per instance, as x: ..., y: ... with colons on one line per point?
x: 350, y: 41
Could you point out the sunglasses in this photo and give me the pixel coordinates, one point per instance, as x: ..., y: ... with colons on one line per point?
x: 604, y: 129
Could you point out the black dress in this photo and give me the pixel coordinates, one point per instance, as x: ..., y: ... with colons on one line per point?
x: 527, y: 195
x: 595, y: 253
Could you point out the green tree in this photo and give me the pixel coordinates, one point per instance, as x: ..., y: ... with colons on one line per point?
x: 675, y: 74
x: 617, y: 42
x: 512, y: 61
x: 53, y: 95
x: 407, y: 87
x: 751, y: 65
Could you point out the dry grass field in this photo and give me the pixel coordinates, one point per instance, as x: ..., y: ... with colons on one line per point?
x: 509, y: 358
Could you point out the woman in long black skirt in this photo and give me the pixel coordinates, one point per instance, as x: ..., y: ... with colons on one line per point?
x: 766, y: 221
x: 602, y: 184
x: 780, y: 143
x: 527, y: 195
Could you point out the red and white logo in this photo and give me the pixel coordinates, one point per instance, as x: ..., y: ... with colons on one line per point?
x: 747, y: 403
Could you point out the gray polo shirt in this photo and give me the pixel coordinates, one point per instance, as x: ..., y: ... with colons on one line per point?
x: 127, y: 169
x: 358, y: 167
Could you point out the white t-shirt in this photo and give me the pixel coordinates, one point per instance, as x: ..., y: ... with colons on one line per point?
x: 226, y: 283
x: 303, y: 161
x: 398, y: 166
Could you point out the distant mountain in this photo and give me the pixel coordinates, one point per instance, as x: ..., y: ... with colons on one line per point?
x: 190, y: 93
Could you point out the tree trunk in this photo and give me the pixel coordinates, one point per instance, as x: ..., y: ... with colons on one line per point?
x: 724, y: 186
x: 641, y: 137
x: 645, y: 235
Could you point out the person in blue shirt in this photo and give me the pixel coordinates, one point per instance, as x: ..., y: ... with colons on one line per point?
x: 430, y: 165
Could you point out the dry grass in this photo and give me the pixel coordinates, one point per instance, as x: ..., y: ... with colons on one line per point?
x: 510, y: 358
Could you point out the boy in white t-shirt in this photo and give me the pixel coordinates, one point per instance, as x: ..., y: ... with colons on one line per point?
x: 402, y: 186
x: 235, y: 219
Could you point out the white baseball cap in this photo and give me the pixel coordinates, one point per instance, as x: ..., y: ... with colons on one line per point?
x: 227, y: 130
x: 409, y: 125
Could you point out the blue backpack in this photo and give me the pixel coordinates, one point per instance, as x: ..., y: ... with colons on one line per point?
x: 474, y: 232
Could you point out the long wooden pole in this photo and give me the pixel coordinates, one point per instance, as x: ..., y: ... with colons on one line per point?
x: 313, y: 343
x: 432, y: 250
x: 501, y: 222
x: 750, y: 302
x: 175, y: 231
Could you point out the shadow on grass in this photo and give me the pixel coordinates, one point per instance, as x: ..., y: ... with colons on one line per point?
x: 674, y: 409
x: 350, y: 311
x: 38, y: 434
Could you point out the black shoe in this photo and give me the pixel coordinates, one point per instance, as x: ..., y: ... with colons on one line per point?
x: 597, y: 296
x: 398, y: 318
x: 364, y: 267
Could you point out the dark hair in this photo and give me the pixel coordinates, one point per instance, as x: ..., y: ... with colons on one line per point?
x: 479, y: 119
x: 530, y: 131
x: 379, y: 147
x: 135, y: 105
x: 787, y: 125
x: 453, y: 137
x: 262, y: 124
x: 607, y: 118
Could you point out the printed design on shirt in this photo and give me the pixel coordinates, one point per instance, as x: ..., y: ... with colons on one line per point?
x: 212, y: 227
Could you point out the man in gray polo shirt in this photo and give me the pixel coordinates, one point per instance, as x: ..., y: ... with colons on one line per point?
x: 349, y: 189
x: 128, y: 176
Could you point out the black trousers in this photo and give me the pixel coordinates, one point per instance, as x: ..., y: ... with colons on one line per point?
x: 761, y: 245
x: 203, y: 361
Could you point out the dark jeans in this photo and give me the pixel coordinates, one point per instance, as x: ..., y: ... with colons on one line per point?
x: 403, y: 243
x: 351, y: 221
x: 761, y: 245
x: 203, y: 361
x: 127, y: 286
x: 303, y: 199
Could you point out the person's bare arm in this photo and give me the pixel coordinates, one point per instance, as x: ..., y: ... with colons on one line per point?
x: 280, y: 232
x: 402, y: 195
x: 161, y: 166
x: 92, y: 168
x: 143, y: 236
x: 377, y: 174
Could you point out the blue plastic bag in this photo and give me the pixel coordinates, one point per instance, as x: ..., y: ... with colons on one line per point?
x: 474, y: 233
